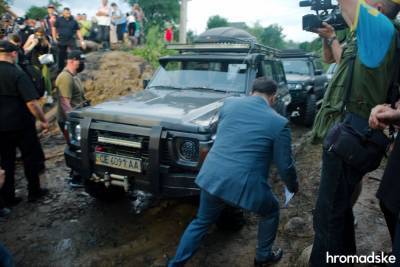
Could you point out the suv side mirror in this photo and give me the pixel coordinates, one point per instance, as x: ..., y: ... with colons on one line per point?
x: 145, y: 83
x: 318, y: 72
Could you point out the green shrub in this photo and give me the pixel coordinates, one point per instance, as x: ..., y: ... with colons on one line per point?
x: 154, y: 47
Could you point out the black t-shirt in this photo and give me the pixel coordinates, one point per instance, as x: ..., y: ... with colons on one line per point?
x: 66, y: 29
x: 15, y: 90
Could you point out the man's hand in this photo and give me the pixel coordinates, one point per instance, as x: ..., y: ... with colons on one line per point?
x: 332, y: 50
x: 83, y: 44
x: 374, y: 121
x: 327, y: 32
x: 389, y: 116
x: 2, y: 177
x: 44, y: 126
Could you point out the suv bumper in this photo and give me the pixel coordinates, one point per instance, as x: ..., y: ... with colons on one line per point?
x: 158, y: 177
x: 171, y: 184
x: 299, y: 98
x: 73, y: 159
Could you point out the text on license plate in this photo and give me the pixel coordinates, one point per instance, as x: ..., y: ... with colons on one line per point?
x: 119, y: 162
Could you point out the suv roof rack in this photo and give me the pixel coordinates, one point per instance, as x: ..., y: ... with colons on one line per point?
x: 225, y: 47
x: 290, y: 53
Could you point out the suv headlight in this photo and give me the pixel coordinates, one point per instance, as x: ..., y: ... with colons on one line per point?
x: 287, y: 99
x: 77, y: 133
x: 74, y: 133
x: 298, y: 86
x: 188, y: 149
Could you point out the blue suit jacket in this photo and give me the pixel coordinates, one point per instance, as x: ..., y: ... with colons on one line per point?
x: 250, y: 136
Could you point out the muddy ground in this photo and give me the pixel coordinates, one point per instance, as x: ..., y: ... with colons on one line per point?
x: 69, y: 228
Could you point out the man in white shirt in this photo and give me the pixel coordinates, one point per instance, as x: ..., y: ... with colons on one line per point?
x: 104, y: 22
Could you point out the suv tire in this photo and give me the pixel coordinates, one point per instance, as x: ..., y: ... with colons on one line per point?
x: 307, y: 115
x: 101, y: 192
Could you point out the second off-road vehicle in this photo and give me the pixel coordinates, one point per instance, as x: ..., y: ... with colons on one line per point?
x: 157, y: 139
x: 307, y: 84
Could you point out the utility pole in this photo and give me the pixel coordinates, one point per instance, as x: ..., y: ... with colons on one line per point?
x: 183, y: 22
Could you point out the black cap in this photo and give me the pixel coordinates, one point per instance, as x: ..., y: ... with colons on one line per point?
x: 7, y: 47
x: 20, y: 21
x: 51, y: 6
x: 76, y: 54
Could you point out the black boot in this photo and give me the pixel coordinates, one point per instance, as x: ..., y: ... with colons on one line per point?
x: 34, y: 196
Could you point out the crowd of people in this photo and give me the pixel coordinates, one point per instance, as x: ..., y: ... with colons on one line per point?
x: 360, y: 103
x: 64, y: 32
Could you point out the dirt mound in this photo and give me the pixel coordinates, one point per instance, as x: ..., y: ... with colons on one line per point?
x: 113, y: 74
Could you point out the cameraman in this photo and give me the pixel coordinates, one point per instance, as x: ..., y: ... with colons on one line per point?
x: 372, y: 45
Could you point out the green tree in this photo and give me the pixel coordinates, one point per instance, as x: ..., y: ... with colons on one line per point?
x: 154, y: 48
x: 273, y: 36
x: 35, y: 12
x: 3, y: 6
x: 313, y: 46
x: 158, y: 12
x: 56, y: 4
x: 216, y: 21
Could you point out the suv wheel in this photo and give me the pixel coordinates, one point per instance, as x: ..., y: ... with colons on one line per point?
x: 101, y: 192
x: 307, y: 115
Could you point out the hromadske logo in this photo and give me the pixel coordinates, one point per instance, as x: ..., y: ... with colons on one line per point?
x: 376, y: 258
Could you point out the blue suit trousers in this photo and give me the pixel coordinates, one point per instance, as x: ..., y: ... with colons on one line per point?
x: 6, y: 259
x: 207, y: 214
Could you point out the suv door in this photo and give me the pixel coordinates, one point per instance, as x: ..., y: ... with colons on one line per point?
x: 273, y: 69
x: 320, y: 79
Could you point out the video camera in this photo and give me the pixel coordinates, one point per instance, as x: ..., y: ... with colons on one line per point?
x: 326, y: 12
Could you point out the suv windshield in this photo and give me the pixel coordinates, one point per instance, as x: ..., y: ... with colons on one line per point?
x: 296, y: 66
x: 215, y: 75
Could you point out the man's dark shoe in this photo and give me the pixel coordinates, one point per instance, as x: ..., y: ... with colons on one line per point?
x: 75, y: 182
x: 12, y: 202
x: 275, y: 257
x: 38, y: 195
x: 75, y: 185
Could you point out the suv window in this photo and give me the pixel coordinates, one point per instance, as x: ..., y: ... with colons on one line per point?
x: 268, y: 70
x: 216, y: 75
x: 297, y: 66
x: 318, y: 65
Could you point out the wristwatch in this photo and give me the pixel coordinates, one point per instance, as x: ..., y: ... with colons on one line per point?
x: 330, y: 41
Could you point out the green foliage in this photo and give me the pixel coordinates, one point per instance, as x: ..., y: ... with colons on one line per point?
x: 158, y: 12
x: 216, y: 21
x: 154, y: 48
x: 190, y: 37
x: 272, y: 35
x: 56, y: 4
x: 3, y: 6
x: 35, y: 12
x: 314, y: 46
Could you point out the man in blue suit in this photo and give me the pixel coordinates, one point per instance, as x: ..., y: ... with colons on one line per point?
x: 250, y: 136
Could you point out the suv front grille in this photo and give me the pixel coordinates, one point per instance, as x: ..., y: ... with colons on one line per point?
x: 111, y: 146
x: 126, y: 145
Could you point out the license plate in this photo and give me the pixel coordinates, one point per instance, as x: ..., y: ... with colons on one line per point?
x: 119, y: 162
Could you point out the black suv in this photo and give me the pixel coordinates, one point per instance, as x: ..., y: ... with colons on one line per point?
x: 157, y: 140
x: 307, y: 84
